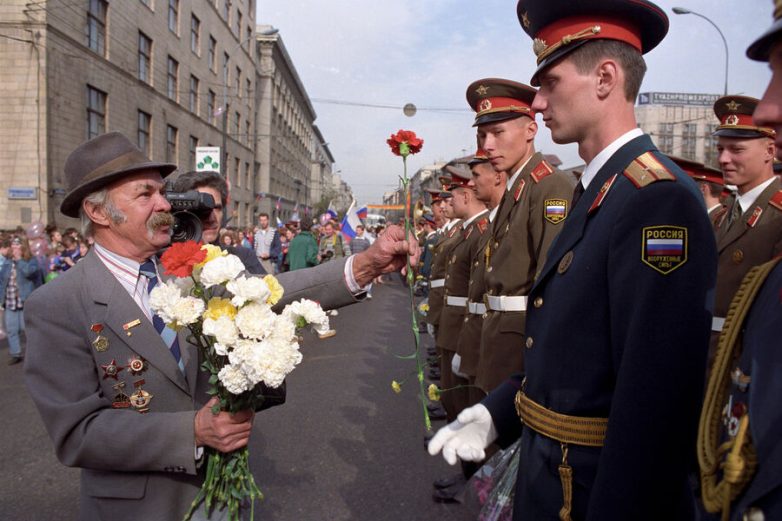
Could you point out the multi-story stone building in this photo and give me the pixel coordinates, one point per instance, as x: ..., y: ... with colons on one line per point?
x: 322, y: 166
x: 172, y: 75
x: 680, y: 123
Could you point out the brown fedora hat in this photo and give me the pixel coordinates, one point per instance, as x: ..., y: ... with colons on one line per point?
x: 100, y: 161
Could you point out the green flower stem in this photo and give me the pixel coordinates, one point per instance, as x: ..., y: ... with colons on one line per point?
x: 404, y: 149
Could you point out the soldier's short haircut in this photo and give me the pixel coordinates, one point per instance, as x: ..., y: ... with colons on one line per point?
x: 587, y: 56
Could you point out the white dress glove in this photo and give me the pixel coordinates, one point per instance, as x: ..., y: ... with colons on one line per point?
x: 456, y: 363
x: 467, y: 437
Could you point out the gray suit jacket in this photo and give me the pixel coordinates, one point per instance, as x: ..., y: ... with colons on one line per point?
x: 134, y: 466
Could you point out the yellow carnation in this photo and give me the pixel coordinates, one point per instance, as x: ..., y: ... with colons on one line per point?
x: 433, y: 392
x: 275, y: 288
x: 396, y: 387
x: 220, y: 307
x: 212, y: 252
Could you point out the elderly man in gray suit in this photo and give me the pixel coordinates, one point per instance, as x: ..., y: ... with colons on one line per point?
x: 117, y: 401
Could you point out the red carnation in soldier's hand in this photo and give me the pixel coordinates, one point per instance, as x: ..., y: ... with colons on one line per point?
x: 180, y: 257
x: 405, y: 142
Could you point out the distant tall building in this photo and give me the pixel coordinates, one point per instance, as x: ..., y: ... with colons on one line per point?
x: 172, y: 75
x: 680, y: 123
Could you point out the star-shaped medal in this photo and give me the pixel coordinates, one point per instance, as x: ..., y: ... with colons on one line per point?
x: 111, y: 370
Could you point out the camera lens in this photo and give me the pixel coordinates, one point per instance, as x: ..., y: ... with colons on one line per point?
x: 187, y: 227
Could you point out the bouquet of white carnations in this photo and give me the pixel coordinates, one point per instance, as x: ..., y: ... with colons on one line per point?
x: 244, y: 346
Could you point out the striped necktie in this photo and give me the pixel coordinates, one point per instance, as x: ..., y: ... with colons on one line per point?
x: 169, y: 335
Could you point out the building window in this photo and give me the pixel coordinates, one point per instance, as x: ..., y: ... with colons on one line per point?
x: 211, y: 100
x: 195, y: 34
x: 235, y: 176
x: 171, y: 139
x: 689, y: 139
x: 144, y: 131
x: 237, y: 121
x: 227, y: 10
x: 248, y: 138
x: 192, y: 151
x: 247, y: 176
x: 173, y: 78
x: 226, y: 59
x: 193, y: 94
x: 96, y: 112
x: 249, y: 38
x: 96, y: 26
x: 173, y: 16
x: 249, y: 88
x: 710, y: 157
x: 238, y: 81
x: 665, y: 138
x: 144, y: 58
x: 238, y: 24
x: 212, y: 58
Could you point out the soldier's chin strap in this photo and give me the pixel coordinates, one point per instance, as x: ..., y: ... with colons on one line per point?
x: 740, y: 463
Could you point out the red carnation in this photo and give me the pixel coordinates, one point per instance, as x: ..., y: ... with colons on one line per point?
x: 405, y: 142
x: 179, y: 259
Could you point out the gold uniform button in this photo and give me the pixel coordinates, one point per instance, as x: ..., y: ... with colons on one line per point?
x: 538, y: 302
x: 754, y: 514
x: 529, y: 342
x: 476, y: 263
x: 496, y: 245
x: 466, y: 319
x: 488, y: 269
x: 738, y: 256
x: 485, y: 315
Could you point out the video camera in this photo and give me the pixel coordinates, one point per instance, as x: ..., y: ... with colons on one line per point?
x: 189, y: 209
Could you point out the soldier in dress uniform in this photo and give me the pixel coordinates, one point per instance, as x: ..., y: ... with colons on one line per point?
x: 741, y: 422
x: 535, y: 205
x: 710, y: 183
x: 751, y: 231
x: 429, y: 237
x: 617, y: 333
x: 489, y: 186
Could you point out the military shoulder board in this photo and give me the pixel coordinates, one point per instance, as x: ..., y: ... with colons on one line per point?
x: 645, y: 170
x: 467, y: 232
x: 776, y: 200
x: 519, y: 190
x: 541, y: 171
x: 753, y: 219
x: 482, y: 225
x: 601, y: 195
x: 453, y: 231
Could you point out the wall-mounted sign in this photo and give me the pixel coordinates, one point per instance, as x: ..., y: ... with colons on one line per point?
x: 23, y: 192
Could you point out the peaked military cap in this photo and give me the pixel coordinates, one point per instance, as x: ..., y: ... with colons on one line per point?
x: 460, y: 175
x: 436, y: 195
x: 761, y: 48
x: 735, y: 115
x: 699, y: 171
x: 480, y: 157
x: 560, y: 26
x: 496, y: 99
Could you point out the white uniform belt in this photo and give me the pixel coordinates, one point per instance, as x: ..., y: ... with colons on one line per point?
x: 437, y: 283
x: 476, y: 308
x: 506, y: 303
x: 717, y: 323
x: 456, y: 301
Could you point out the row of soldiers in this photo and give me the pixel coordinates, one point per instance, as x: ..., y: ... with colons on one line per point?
x: 489, y: 236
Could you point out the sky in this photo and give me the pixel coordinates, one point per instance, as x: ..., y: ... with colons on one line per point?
x: 353, y: 53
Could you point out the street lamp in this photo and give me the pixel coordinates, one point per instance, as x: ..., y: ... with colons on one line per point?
x: 682, y: 10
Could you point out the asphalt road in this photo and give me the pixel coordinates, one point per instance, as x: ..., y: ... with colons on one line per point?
x: 343, y: 447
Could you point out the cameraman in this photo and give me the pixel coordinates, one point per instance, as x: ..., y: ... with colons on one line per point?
x: 214, y: 184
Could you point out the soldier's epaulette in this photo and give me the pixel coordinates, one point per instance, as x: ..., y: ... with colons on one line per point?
x: 482, y: 224
x: 541, y: 171
x: 645, y: 170
x: 776, y: 200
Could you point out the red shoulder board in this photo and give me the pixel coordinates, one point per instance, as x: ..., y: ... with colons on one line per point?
x: 753, y: 219
x: 520, y: 189
x: 482, y: 225
x: 645, y: 170
x: 776, y: 200
x: 541, y: 171
x: 601, y: 195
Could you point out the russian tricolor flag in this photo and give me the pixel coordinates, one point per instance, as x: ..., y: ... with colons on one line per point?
x: 350, y: 222
x: 362, y: 213
x: 664, y: 247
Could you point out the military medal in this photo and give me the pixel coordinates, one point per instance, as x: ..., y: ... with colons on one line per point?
x: 101, y: 343
x: 602, y: 193
x: 487, y: 254
x: 129, y: 325
x: 136, y: 365
x: 111, y: 370
x: 140, y: 398
x: 121, y: 400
